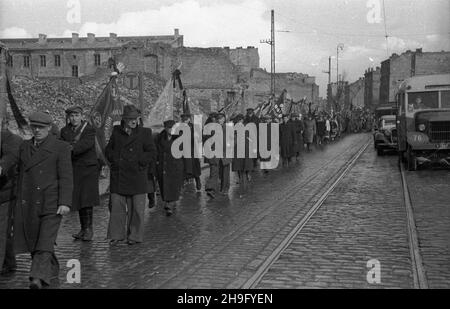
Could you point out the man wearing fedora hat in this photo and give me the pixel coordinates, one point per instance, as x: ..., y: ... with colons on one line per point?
x: 130, y: 152
x: 44, y: 196
x: 81, y: 136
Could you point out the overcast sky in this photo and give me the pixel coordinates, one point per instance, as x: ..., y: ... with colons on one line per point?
x: 316, y: 27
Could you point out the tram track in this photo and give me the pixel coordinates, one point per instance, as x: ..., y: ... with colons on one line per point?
x: 264, y: 213
x: 420, y: 279
x: 253, y: 281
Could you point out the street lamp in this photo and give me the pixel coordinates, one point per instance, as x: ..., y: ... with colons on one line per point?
x: 341, y: 47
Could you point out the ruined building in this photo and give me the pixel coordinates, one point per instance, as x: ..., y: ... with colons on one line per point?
x: 214, y: 77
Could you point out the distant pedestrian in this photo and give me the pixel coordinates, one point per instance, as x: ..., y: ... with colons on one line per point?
x: 321, y: 128
x: 130, y: 152
x: 242, y: 165
x: 310, y: 131
x: 219, y: 177
x: 287, y: 140
x: 298, y: 127
x: 169, y: 169
x: 252, y: 118
x: 192, y: 168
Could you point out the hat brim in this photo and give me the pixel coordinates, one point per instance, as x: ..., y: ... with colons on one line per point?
x: 39, y: 124
x: 131, y: 116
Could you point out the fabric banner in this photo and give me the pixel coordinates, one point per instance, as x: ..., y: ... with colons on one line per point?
x: 106, y: 113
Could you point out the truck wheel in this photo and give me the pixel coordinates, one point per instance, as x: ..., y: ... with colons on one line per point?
x: 411, y: 160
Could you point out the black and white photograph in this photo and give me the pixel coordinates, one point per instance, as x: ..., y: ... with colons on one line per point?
x: 224, y: 149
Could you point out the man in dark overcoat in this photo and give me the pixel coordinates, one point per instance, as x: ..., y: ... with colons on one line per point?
x: 310, y: 130
x: 9, y: 157
x: 298, y: 128
x: 219, y: 168
x: 44, y: 195
x: 81, y: 136
x: 169, y: 169
x: 192, y: 168
x: 130, y: 151
x: 250, y: 117
x: 287, y: 140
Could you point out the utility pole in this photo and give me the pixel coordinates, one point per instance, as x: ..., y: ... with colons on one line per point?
x: 3, y: 93
x: 329, y: 70
x: 341, y: 47
x: 271, y: 42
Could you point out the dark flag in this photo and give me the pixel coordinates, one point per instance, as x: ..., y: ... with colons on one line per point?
x: 186, y: 109
x: 21, y: 121
x: 105, y: 113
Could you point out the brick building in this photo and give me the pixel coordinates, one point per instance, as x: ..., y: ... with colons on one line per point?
x: 355, y: 94
x: 410, y: 63
x: 214, y: 77
x: 372, y: 88
x: 76, y: 56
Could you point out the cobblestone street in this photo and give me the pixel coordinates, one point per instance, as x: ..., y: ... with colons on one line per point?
x: 221, y: 243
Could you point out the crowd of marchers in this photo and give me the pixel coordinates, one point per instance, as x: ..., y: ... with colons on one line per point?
x: 57, y: 171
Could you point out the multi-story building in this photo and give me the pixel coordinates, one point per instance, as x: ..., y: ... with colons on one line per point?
x: 76, y: 56
x: 410, y: 63
x: 372, y: 88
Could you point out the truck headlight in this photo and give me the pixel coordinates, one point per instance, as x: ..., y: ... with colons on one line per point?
x: 421, y: 127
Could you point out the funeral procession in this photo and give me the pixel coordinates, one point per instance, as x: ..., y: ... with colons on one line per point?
x: 142, y: 147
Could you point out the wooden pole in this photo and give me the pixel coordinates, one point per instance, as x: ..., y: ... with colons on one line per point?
x: 3, y: 93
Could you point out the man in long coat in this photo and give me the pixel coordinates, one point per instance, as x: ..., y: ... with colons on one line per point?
x: 130, y: 151
x: 169, y: 169
x: 219, y: 177
x: 192, y: 168
x: 287, y: 140
x: 44, y: 196
x: 9, y: 156
x: 310, y: 131
x: 81, y: 136
x: 252, y: 118
x: 298, y: 128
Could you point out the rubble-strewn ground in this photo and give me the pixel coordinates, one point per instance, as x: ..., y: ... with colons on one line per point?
x: 43, y: 93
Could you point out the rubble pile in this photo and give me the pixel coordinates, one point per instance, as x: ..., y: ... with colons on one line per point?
x: 45, y: 93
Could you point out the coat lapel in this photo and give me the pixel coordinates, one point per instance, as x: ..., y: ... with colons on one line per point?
x: 129, y: 139
x: 41, y: 154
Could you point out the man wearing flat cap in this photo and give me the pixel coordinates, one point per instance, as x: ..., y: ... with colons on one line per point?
x: 81, y: 136
x: 130, y: 152
x: 44, y: 196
